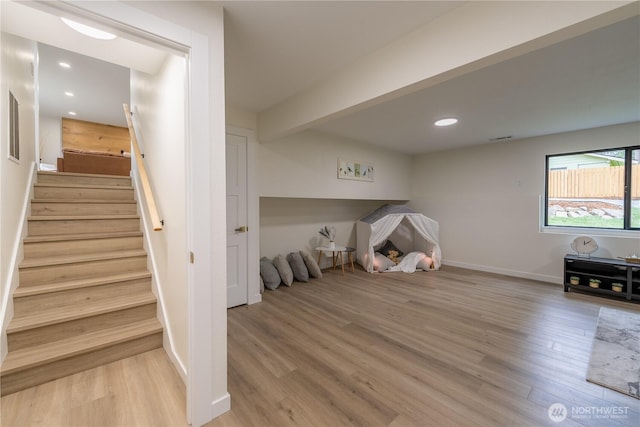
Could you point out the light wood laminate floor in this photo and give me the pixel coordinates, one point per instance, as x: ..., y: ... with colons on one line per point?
x: 142, y: 390
x: 453, y: 347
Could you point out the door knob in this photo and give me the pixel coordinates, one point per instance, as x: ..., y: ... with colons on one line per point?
x: 242, y: 229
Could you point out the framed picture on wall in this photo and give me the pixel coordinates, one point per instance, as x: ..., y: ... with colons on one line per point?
x: 359, y: 171
x: 14, y: 128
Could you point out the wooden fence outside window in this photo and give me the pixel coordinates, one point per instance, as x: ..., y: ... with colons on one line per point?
x: 605, y: 183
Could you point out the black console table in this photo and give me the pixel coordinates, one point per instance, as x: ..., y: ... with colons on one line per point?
x: 608, y: 271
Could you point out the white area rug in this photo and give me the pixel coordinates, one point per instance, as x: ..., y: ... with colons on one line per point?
x: 615, y: 355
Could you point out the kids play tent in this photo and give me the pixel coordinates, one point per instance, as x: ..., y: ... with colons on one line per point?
x: 409, y: 231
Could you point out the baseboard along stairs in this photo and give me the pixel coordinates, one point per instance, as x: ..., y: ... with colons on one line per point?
x: 84, y: 297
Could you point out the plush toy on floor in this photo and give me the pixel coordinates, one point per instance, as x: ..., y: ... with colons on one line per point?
x: 393, y: 256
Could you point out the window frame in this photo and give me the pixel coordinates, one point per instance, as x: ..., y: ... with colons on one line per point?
x: 627, y: 200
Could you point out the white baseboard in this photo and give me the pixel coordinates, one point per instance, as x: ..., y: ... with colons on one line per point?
x: 221, y: 405
x: 513, y: 273
x: 167, y: 335
x: 255, y: 298
x: 167, y: 345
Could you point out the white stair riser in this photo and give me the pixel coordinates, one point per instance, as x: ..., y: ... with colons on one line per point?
x: 77, y: 247
x: 57, y: 178
x: 83, y: 209
x: 50, y: 333
x: 61, y: 368
x: 83, y: 193
x: 57, y: 273
x: 78, y: 296
x: 39, y: 227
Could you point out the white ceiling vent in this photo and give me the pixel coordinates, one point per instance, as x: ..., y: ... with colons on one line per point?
x: 500, y: 138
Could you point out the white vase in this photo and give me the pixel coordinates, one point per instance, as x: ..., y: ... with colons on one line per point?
x: 332, y: 245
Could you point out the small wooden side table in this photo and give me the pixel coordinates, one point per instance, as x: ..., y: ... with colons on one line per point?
x: 349, y: 250
x: 336, y: 255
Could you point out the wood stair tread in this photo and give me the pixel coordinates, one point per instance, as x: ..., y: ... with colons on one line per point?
x: 72, y: 259
x: 85, y: 175
x: 38, y: 355
x: 27, y: 291
x: 99, y: 186
x: 77, y: 311
x: 87, y: 201
x: 82, y: 217
x: 85, y: 294
x: 81, y: 236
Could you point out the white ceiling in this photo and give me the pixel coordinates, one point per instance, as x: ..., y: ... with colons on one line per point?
x: 38, y: 24
x: 99, y: 88
x: 100, y: 70
x: 276, y: 49
x: 589, y: 81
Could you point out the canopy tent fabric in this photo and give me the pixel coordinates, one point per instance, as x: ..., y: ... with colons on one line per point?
x: 409, y: 230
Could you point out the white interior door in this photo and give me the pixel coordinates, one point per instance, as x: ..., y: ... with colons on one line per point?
x: 237, y: 230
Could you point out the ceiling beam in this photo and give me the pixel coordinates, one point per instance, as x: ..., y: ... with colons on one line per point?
x: 471, y: 37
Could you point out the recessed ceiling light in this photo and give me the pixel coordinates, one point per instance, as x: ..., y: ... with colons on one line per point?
x: 89, y: 31
x: 446, y: 122
x: 72, y: 113
x: 64, y: 64
x: 69, y: 94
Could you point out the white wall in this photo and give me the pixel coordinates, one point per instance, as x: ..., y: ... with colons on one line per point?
x: 300, y: 191
x: 241, y: 118
x: 208, y: 299
x: 305, y: 165
x: 158, y: 103
x: 50, y: 140
x: 290, y: 225
x: 18, y: 60
x: 486, y: 199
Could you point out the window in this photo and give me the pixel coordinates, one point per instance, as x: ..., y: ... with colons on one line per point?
x: 14, y: 128
x: 597, y: 189
x: 634, y: 180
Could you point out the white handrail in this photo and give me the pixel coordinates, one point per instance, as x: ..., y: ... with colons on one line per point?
x: 156, y: 222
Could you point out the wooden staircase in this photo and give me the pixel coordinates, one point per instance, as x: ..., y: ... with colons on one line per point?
x: 84, y: 297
